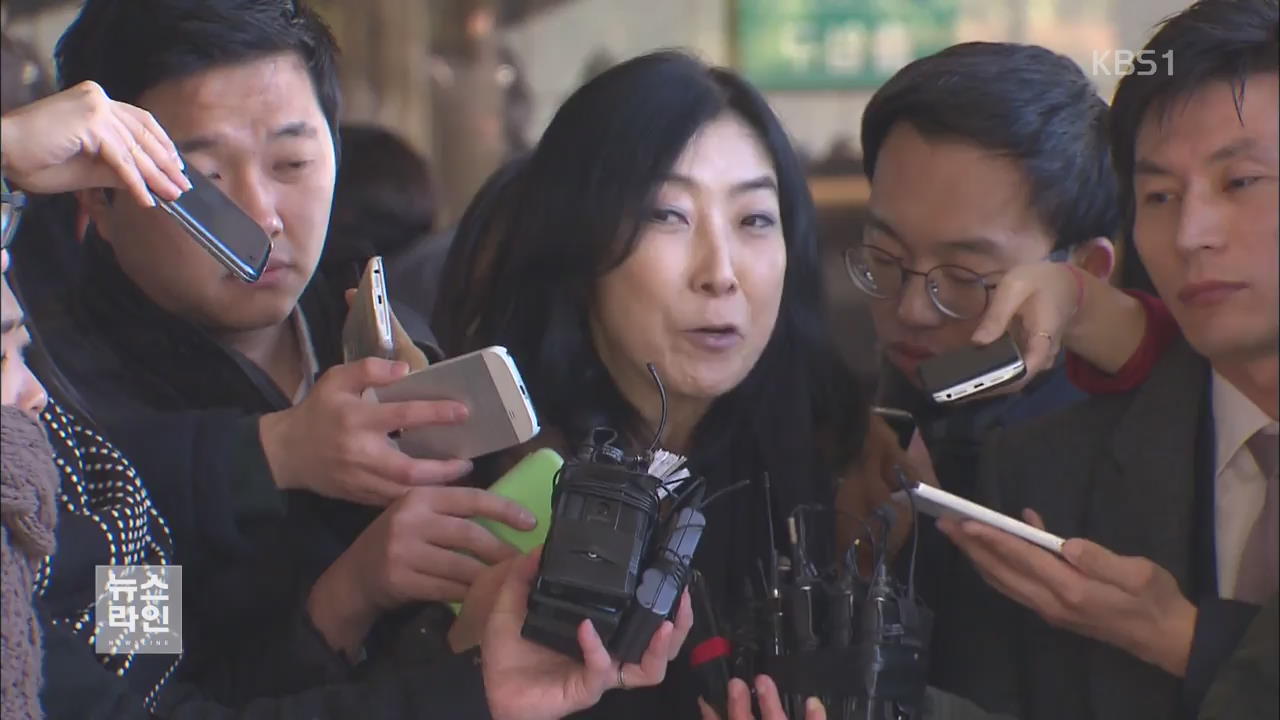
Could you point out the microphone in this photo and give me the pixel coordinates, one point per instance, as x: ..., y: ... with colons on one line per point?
x: 709, y: 658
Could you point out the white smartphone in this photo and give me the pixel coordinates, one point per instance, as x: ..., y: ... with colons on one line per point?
x: 940, y: 503
x: 368, y: 330
x: 488, y: 383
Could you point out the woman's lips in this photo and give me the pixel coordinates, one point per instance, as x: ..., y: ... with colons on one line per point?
x: 716, y: 338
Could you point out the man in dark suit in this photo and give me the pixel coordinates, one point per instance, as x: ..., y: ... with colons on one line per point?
x: 1174, y: 483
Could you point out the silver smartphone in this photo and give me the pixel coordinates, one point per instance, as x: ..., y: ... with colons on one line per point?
x: 367, y: 331
x: 220, y: 226
x: 488, y: 383
x: 963, y: 373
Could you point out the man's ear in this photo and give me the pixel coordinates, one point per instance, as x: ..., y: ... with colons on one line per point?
x: 1096, y: 257
x: 95, y: 207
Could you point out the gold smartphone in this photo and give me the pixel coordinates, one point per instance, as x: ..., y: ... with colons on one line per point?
x: 368, y: 330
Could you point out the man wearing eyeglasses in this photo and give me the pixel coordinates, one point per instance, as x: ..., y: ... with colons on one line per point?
x: 983, y: 158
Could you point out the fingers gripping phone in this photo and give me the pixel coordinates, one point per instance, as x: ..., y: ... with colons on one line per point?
x: 367, y: 331
x: 940, y: 503
x: 966, y: 372
x: 531, y: 483
x: 220, y: 226
x: 488, y: 383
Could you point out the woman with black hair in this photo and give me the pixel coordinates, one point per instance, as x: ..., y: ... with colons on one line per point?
x: 664, y: 218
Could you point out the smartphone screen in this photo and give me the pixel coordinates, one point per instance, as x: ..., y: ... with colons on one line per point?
x: 968, y: 371
x: 221, y: 227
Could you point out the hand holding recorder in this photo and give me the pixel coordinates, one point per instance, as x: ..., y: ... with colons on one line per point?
x: 526, y: 681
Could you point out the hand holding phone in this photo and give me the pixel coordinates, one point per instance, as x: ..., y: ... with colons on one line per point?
x: 940, y: 503
x: 530, y: 483
x: 79, y: 138
x: 488, y: 383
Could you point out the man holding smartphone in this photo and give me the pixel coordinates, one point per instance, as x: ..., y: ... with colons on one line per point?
x: 1174, y: 482
x: 982, y: 158
x: 225, y: 393
x: 985, y: 159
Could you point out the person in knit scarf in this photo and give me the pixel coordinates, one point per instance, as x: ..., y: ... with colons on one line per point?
x: 28, y: 494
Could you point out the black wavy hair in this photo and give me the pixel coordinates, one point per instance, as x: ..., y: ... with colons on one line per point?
x: 574, y: 209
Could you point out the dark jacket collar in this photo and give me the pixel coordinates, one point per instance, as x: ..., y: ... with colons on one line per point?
x: 176, y: 365
x: 1158, y: 476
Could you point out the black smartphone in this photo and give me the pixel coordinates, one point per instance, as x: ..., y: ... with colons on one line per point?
x: 900, y: 421
x: 966, y: 372
x: 220, y: 226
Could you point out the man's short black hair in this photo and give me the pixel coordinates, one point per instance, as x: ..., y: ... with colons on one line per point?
x: 1022, y: 101
x: 1211, y: 41
x: 129, y: 47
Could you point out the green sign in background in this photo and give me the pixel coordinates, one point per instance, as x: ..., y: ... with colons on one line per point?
x: 836, y: 44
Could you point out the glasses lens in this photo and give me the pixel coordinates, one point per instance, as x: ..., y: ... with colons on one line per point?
x: 958, y: 292
x: 874, y: 271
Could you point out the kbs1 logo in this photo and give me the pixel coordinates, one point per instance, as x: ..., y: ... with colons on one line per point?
x: 1127, y: 62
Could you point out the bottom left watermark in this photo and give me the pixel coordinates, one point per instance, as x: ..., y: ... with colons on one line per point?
x: 138, y: 609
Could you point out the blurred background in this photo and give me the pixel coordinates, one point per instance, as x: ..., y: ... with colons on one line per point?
x: 465, y: 83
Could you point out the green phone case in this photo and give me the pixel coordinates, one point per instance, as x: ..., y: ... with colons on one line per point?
x: 529, y: 483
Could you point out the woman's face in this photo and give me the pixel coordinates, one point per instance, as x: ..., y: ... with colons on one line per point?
x: 699, y: 295
x: 18, y: 387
